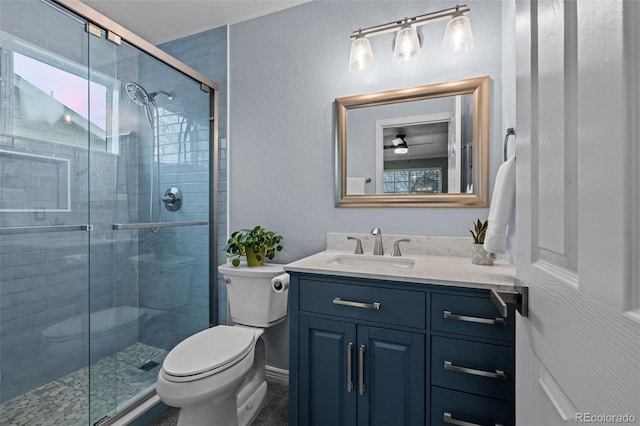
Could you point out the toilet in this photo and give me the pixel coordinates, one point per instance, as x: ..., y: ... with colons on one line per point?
x: 217, y: 376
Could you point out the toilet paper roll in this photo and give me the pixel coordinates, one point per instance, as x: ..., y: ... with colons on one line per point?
x: 280, y: 283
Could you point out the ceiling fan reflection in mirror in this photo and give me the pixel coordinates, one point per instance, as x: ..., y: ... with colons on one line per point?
x: 400, y: 146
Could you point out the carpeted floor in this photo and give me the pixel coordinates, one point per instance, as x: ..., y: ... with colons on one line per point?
x: 275, y: 409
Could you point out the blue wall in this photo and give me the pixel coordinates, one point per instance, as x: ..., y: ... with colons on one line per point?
x: 206, y: 52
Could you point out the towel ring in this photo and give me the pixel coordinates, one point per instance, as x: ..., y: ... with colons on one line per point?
x: 510, y: 132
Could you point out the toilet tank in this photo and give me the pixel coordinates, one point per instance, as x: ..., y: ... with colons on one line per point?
x: 252, y: 300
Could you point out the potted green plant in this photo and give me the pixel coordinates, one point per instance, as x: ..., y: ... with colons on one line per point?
x: 479, y: 255
x: 254, y: 244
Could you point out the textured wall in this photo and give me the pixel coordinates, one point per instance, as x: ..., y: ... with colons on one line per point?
x: 286, y: 70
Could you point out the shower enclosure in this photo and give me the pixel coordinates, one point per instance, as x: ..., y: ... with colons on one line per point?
x: 108, y: 149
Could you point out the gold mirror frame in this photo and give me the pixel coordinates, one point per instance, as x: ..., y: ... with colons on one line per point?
x: 479, y: 87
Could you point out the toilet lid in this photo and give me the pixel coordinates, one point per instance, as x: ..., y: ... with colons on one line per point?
x: 208, y: 350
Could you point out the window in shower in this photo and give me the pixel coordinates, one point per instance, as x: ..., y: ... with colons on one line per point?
x: 53, y: 104
x: 183, y: 139
x: 58, y: 101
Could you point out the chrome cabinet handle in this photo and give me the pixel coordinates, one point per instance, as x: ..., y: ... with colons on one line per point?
x: 491, y: 321
x: 499, y: 374
x: 349, y: 353
x: 448, y: 418
x: 361, y: 370
x: 339, y: 301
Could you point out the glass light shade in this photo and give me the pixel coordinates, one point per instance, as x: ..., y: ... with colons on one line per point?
x: 402, y: 149
x: 407, y: 45
x: 458, y: 36
x: 361, y: 56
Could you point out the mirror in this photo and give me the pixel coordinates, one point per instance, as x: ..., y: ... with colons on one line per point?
x: 424, y: 146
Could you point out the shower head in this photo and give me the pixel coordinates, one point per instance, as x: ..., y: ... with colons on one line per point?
x: 142, y: 98
x: 137, y: 94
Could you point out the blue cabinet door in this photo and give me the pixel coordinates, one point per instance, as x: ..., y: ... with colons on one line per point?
x: 359, y: 375
x: 326, y: 392
x: 393, y: 388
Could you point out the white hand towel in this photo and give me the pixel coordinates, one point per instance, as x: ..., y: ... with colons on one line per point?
x: 504, y: 194
x: 355, y: 185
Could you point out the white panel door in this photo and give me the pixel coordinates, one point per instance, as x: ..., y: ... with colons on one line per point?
x: 578, y: 351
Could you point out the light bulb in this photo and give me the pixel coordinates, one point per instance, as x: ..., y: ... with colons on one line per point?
x: 458, y: 36
x: 407, y: 47
x: 361, y: 56
x: 401, y: 149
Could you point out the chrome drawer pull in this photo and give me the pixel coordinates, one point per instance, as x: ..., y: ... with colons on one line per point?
x: 361, y: 370
x: 499, y: 374
x: 339, y: 301
x: 492, y: 321
x: 448, y: 418
x: 349, y: 381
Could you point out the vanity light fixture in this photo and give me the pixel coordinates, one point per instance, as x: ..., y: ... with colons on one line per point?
x: 407, y: 47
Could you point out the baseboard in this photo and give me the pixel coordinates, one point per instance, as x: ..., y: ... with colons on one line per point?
x: 277, y: 375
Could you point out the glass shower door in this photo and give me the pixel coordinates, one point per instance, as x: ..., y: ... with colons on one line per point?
x: 149, y: 270
x: 44, y: 216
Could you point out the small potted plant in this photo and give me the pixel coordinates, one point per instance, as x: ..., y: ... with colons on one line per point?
x: 479, y: 255
x: 254, y: 244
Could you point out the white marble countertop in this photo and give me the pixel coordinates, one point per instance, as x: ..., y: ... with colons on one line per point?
x: 455, y: 271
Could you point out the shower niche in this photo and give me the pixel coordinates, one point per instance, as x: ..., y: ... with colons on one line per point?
x: 92, y: 264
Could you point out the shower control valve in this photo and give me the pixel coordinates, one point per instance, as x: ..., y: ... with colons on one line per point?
x: 172, y: 199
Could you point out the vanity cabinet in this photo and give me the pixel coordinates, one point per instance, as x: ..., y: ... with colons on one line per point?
x: 377, y: 352
x: 472, y: 363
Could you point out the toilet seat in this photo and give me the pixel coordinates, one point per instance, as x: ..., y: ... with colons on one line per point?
x: 207, y: 352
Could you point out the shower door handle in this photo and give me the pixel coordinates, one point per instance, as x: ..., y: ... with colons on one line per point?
x: 130, y: 226
x: 12, y: 230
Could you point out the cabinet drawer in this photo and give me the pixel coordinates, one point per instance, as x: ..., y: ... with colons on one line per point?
x: 452, y: 407
x: 389, y: 306
x: 473, y: 367
x: 472, y: 316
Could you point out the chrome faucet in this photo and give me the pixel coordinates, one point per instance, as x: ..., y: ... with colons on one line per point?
x: 358, y: 249
x: 378, y: 250
x: 396, y: 247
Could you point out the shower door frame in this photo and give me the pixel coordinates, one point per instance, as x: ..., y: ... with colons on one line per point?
x: 115, y: 33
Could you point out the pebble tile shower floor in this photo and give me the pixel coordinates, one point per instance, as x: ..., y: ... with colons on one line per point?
x: 65, y: 401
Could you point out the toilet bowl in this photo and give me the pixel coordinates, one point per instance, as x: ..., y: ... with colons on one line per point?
x: 217, y: 376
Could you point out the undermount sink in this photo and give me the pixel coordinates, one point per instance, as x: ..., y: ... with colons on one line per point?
x: 372, y: 261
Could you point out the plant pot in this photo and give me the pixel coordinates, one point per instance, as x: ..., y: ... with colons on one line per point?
x: 252, y: 257
x: 479, y: 256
